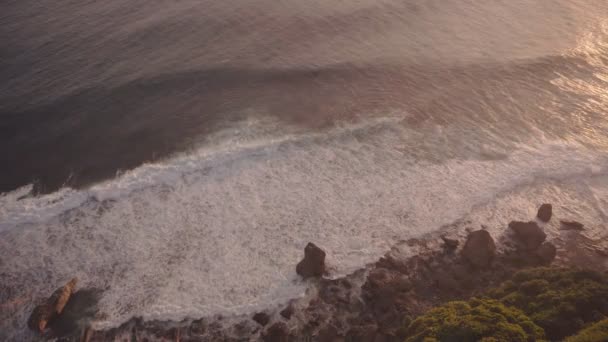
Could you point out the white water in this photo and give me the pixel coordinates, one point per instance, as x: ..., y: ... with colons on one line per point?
x: 211, y: 233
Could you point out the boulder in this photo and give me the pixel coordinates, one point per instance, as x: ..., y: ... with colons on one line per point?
x: 571, y: 225
x: 52, y: 307
x: 545, y: 212
x: 313, y: 264
x: 546, y: 252
x: 262, y: 318
x: 479, y: 249
x: 529, y: 234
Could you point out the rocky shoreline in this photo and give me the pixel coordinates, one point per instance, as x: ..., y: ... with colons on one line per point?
x: 373, y: 304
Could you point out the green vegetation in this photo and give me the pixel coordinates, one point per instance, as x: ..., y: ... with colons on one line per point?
x: 476, y: 320
x: 561, y: 301
x: 535, y: 304
x: 597, y: 332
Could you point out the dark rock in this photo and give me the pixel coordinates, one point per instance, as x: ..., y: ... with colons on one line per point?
x: 546, y: 252
x: 571, y: 225
x: 78, y: 313
x: 327, y: 334
x: 52, y: 307
x: 479, y: 249
x: 365, y: 333
x: 277, y: 332
x: 40, y: 317
x: 545, y: 212
x: 313, y: 264
x: 449, y: 243
x: 288, y: 311
x: 529, y: 234
x: 262, y: 318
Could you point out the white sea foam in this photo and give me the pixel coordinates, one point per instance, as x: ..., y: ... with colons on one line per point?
x: 220, y: 231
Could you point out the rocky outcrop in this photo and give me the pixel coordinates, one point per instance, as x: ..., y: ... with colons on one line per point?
x: 479, y: 249
x: 546, y: 252
x: 528, y: 234
x: 287, y: 312
x: 545, y: 212
x: 571, y: 225
x: 449, y: 244
x: 313, y: 264
x: 52, y: 307
x: 261, y: 318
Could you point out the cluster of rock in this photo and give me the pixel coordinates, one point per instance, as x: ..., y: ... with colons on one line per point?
x: 372, y: 304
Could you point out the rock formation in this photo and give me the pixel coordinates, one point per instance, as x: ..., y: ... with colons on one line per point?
x: 529, y: 234
x: 480, y: 249
x: 313, y: 264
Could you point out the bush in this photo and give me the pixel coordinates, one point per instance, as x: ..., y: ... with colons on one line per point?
x: 597, y: 332
x: 561, y: 301
x: 475, y: 320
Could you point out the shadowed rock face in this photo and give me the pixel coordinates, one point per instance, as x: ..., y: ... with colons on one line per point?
x: 77, y: 314
x: 313, y: 264
x: 529, y: 234
x: 479, y: 249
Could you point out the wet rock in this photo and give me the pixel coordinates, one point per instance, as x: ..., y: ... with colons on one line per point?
x: 287, y: 312
x: 529, y: 234
x: 277, y: 332
x: 546, y: 252
x: 571, y: 225
x: 262, y: 318
x: 450, y: 243
x: 313, y: 264
x: 545, y: 212
x: 78, y: 313
x: 479, y: 249
x: 52, y: 307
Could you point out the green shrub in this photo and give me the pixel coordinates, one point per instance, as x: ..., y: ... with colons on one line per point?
x: 597, y: 332
x: 561, y: 301
x: 476, y: 320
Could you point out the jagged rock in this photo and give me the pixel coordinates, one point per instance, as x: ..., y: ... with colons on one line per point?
x: 545, y: 212
x: 52, y: 307
x: 571, y: 225
x: 262, y: 318
x: 277, y: 332
x: 479, y: 249
x: 313, y: 264
x: 529, y: 234
x: 287, y: 312
x: 449, y: 243
x: 546, y: 252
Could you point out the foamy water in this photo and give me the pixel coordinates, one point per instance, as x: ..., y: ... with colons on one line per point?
x: 191, y: 192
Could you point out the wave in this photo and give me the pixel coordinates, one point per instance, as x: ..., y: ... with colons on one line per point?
x: 172, y: 240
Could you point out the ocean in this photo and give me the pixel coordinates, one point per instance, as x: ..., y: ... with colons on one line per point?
x: 179, y: 155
